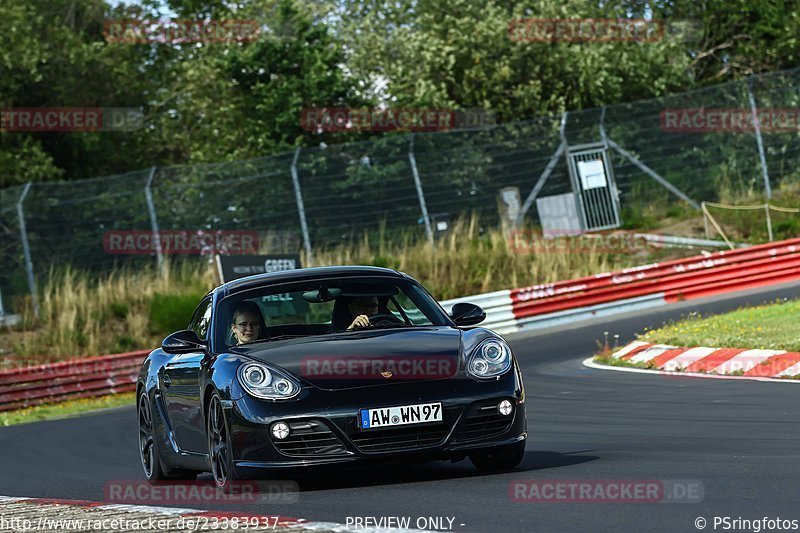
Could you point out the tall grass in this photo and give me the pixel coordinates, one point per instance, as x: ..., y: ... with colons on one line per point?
x: 469, y: 260
x: 751, y: 225
x: 82, y: 314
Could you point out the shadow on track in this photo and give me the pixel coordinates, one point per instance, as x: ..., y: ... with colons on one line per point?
x: 321, y: 478
x: 539, y: 460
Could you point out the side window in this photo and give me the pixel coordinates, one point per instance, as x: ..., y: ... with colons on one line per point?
x: 401, y: 305
x: 201, y: 319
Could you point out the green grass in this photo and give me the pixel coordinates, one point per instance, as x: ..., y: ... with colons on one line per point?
x: 65, y: 409
x: 772, y: 326
x: 606, y: 359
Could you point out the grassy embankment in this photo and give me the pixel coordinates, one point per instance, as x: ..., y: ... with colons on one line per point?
x: 65, y: 409
x: 127, y: 310
x: 770, y: 326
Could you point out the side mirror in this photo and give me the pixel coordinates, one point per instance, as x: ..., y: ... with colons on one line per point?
x: 184, y: 341
x: 465, y: 314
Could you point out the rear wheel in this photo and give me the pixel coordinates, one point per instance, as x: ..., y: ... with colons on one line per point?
x: 499, y: 458
x: 219, y: 445
x: 149, y: 453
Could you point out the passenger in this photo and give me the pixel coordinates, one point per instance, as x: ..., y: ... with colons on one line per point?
x: 247, y: 325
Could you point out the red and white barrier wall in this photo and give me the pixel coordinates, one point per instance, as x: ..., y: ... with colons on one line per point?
x: 70, y: 380
x: 641, y: 287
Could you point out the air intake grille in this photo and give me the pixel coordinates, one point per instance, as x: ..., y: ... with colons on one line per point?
x: 309, y: 437
x: 483, y: 420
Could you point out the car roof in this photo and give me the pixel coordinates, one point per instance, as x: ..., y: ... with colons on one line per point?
x: 303, y: 274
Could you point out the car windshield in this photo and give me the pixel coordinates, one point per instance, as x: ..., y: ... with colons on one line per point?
x: 324, y: 307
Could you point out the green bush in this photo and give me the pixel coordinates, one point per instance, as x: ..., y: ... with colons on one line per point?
x: 119, y: 310
x: 172, y: 312
x: 125, y: 343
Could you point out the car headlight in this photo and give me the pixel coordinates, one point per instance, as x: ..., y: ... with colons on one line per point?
x: 267, y: 383
x: 490, y: 358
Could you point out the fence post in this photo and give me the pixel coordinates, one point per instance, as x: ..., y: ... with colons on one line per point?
x: 757, y: 126
x: 148, y: 193
x: 26, y: 250
x: 769, y: 222
x: 418, y: 184
x: 301, y: 210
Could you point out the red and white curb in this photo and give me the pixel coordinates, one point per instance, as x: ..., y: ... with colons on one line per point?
x: 729, y: 363
x: 43, y: 514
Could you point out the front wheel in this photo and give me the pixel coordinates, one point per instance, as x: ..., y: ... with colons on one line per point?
x: 154, y: 469
x: 499, y: 458
x: 219, y: 445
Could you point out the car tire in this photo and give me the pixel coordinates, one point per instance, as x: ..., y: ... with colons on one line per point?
x: 149, y: 451
x: 499, y: 458
x: 220, y: 451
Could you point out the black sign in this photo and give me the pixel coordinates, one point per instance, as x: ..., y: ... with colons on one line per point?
x: 238, y: 266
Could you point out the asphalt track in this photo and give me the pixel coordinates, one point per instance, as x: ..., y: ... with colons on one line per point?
x: 738, y: 438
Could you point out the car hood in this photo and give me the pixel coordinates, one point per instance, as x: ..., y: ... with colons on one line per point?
x: 366, y: 358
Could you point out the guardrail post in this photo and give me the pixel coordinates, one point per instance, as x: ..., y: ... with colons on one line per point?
x: 301, y: 210
x: 26, y: 250
x: 148, y: 193
x: 418, y: 184
x: 759, y: 142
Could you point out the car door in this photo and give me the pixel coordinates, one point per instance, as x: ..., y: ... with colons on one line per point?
x: 181, y: 387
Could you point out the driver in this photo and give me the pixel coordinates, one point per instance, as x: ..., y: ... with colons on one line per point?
x: 362, y: 308
x: 246, y: 323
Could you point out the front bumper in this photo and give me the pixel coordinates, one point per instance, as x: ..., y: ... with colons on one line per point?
x: 325, y: 430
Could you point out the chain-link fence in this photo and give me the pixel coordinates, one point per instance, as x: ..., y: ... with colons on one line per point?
x: 322, y: 196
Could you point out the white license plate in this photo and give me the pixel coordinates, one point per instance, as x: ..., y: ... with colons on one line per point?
x: 400, y: 416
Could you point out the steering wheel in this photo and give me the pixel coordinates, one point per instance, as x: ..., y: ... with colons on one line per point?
x: 384, y: 318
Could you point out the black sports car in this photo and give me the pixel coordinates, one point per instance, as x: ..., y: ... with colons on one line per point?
x: 327, y: 365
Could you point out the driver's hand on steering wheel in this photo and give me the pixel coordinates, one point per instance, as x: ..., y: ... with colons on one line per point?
x: 361, y: 321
